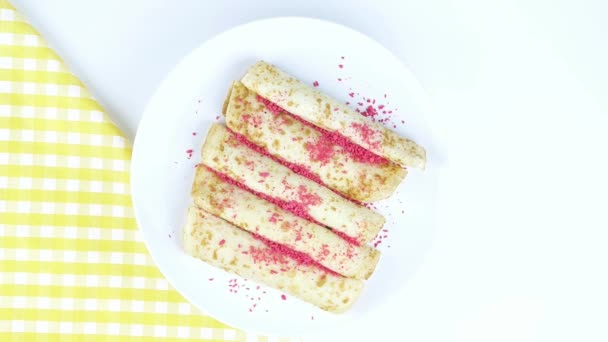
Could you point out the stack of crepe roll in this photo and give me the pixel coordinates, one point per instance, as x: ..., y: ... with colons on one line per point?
x: 277, y: 195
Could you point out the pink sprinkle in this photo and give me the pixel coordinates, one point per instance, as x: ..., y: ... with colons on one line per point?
x: 340, y: 66
x: 315, y: 83
x: 342, y: 57
x: 283, y: 297
x: 222, y: 242
x: 264, y: 174
x: 339, y: 80
x: 210, y: 279
x: 193, y: 133
x: 351, y: 94
x: 370, y: 111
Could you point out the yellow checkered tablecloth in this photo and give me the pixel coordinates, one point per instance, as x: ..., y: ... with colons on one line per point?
x: 72, y: 264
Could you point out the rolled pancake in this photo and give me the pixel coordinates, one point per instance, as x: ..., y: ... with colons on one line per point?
x: 324, y: 111
x: 224, y: 199
x: 224, y: 245
x: 287, y: 138
x: 223, y: 152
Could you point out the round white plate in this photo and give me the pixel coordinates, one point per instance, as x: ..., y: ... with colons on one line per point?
x: 346, y: 65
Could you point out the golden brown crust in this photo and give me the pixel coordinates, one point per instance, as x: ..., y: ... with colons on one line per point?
x: 224, y: 245
x: 289, y: 139
x: 313, y: 106
x: 251, y: 213
x: 227, y: 99
x: 223, y: 152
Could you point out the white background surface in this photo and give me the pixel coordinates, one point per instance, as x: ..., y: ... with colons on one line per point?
x: 521, y: 112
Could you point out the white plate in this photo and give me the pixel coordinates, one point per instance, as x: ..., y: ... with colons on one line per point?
x: 190, y: 99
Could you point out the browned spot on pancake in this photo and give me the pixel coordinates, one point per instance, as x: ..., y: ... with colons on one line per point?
x: 327, y: 110
x: 322, y: 280
x: 285, y: 226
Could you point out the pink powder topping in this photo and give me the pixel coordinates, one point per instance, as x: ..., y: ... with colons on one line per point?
x: 367, y: 134
x: 296, y: 208
x: 315, y: 83
x: 252, y: 120
x: 356, y: 152
x: 370, y: 111
x: 348, y: 238
x: 276, y: 253
x: 299, y: 169
x: 274, y: 218
x: 271, y: 106
x: 322, y: 149
x: 307, y: 198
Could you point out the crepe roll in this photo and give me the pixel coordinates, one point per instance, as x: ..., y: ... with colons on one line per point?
x: 324, y: 111
x: 222, y: 197
x: 222, y: 151
x: 347, y: 168
x: 223, y: 245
